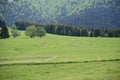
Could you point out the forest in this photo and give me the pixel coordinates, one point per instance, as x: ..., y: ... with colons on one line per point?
x: 91, y: 18
x: 70, y: 30
x: 89, y: 13
x: 58, y: 29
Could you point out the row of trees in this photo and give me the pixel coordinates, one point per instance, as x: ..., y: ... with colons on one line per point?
x: 66, y: 30
x: 72, y: 30
x: 81, y: 31
x: 31, y: 31
x: 105, y: 33
x: 22, y: 25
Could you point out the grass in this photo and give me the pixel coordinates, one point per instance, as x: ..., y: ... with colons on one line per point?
x: 76, y: 71
x: 69, y: 50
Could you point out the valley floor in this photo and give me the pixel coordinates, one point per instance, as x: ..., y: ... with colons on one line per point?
x: 59, y: 58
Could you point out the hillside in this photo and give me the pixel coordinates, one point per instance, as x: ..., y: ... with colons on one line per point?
x: 90, y: 13
x: 56, y: 57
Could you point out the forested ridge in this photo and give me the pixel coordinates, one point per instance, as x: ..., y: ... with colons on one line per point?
x: 89, y: 13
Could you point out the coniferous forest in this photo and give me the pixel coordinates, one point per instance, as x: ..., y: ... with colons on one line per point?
x: 88, y: 13
x: 93, y: 18
x: 70, y: 30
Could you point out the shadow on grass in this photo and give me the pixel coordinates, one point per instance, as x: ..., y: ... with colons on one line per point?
x: 48, y: 63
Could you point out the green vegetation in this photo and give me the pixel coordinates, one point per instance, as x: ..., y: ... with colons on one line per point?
x: 53, y: 50
x: 76, y: 71
x: 33, y: 31
x: 83, y: 47
x: 40, y: 32
x: 14, y: 31
x: 70, y: 30
x: 3, y: 30
x: 52, y: 11
x: 94, y: 56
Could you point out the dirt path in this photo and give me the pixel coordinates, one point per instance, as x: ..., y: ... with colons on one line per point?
x: 51, y: 58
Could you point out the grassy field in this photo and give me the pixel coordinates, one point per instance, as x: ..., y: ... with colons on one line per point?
x: 76, y: 71
x: 57, y: 49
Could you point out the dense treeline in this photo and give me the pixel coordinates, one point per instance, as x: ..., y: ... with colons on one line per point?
x: 22, y: 25
x: 105, y: 33
x: 66, y: 30
x: 61, y: 30
x: 81, y: 31
x: 72, y: 30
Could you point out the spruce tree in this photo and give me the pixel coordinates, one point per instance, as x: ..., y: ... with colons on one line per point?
x: 4, y: 30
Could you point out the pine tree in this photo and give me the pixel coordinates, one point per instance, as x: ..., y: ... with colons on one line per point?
x: 97, y: 32
x: 84, y: 32
x: 4, y: 30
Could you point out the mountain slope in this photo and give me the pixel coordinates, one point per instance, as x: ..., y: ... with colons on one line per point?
x: 73, y: 12
x: 94, y: 17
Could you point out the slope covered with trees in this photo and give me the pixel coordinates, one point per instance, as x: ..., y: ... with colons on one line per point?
x: 90, y: 13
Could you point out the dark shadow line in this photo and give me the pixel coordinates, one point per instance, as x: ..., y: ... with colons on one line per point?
x: 69, y: 62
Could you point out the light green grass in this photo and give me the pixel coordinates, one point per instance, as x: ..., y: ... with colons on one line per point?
x: 76, y: 71
x: 68, y: 49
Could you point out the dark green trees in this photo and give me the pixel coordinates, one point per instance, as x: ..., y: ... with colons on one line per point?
x: 66, y: 30
x: 4, y: 30
x: 112, y: 32
x: 40, y: 32
x: 22, y: 25
x: 95, y: 33
x: 70, y: 30
x: 33, y: 31
x: 84, y: 32
x: 81, y: 31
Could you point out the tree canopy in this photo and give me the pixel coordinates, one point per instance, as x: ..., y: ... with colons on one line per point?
x: 90, y: 13
x: 14, y: 31
x: 33, y: 31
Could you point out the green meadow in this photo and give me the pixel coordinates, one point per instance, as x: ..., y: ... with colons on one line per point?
x: 59, y: 58
x: 76, y: 71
